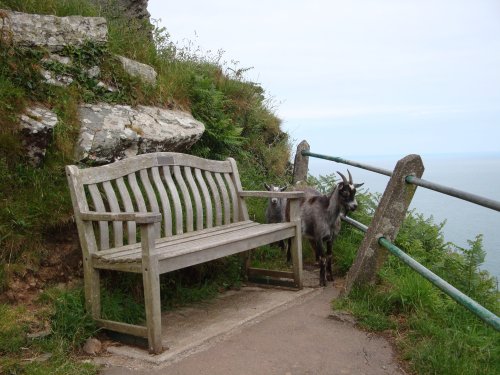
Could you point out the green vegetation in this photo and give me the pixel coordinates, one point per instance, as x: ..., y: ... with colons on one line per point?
x: 49, y: 350
x: 238, y: 121
x: 434, y: 334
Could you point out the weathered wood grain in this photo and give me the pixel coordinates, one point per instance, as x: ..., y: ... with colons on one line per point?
x: 129, y: 207
x: 188, y: 206
x: 196, y: 197
x: 175, y: 199
x: 190, y: 211
x: 165, y: 202
x: 103, y: 225
x: 209, y: 219
x: 216, y: 196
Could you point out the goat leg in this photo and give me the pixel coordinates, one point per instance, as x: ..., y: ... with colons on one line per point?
x: 322, y: 261
x: 322, y: 269
x: 329, y: 248
x: 317, y: 247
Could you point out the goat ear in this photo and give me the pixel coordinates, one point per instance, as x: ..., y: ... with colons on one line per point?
x: 359, y: 185
x: 267, y: 186
x: 284, y: 188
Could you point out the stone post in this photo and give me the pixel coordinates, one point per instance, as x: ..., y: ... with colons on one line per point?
x: 301, y: 163
x: 386, y: 222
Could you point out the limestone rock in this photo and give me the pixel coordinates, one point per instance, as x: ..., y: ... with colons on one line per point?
x: 52, y: 78
x: 140, y: 70
x: 51, y: 32
x: 113, y: 132
x: 37, y: 125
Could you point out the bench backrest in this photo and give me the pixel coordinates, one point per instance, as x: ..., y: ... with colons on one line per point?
x: 191, y: 193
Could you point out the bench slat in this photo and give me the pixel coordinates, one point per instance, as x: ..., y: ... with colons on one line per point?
x: 220, y: 239
x: 206, y: 196
x: 137, y: 193
x: 129, y: 207
x: 225, y: 198
x: 216, y: 196
x: 115, y: 207
x: 176, y: 200
x: 229, y: 246
x: 243, y: 211
x: 165, y: 203
x: 200, y: 243
x: 166, y: 244
x: 196, y: 197
x: 127, y: 166
x: 188, y: 207
x: 179, y: 237
x: 99, y: 207
x: 233, y: 196
x: 150, y: 193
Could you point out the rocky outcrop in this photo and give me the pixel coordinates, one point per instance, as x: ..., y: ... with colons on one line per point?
x: 51, y: 32
x: 37, y: 126
x: 112, y: 132
x: 136, y: 69
x: 108, y: 132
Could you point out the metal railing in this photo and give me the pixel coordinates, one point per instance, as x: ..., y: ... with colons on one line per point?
x: 480, y: 311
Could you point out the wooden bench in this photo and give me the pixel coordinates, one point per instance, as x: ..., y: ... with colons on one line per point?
x: 189, y: 210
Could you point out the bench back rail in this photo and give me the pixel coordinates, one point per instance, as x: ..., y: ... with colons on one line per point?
x: 191, y: 194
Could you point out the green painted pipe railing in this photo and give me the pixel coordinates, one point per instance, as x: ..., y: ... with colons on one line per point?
x: 473, y: 198
x: 349, y: 162
x: 483, y: 313
x: 480, y: 311
x: 486, y: 315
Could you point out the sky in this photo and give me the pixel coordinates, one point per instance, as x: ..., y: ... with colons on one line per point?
x: 361, y: 78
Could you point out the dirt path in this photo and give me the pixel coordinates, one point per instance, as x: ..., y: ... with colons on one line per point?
x: 301, y: 339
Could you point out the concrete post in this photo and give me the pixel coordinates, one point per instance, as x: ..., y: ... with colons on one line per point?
x: 386, y: 222
x: 301, y: 163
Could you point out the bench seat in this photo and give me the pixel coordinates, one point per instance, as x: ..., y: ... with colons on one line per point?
x: 193, y: 248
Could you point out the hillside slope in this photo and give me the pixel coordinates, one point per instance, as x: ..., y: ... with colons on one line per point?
x: 37, y: 235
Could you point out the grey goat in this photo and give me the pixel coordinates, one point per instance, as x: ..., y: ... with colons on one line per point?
x: 320, y: 216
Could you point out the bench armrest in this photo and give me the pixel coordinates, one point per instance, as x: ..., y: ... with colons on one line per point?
x: 138, y: 217
x: 273, y: 194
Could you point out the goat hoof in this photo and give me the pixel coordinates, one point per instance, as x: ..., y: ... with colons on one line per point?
x: 329, y: 278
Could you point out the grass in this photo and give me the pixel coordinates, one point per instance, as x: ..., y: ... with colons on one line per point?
x: 433, y: 333
x: 70, y: 326
x: 239, y: 123
x: 237, y: 119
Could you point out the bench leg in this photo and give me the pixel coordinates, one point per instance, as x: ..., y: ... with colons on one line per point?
x: 92, y: 290
x: 296, y: 252
x: 151, y: 281
x: 246, y: 260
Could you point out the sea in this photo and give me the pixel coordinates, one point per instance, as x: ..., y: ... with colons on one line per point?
x: 478, y: 174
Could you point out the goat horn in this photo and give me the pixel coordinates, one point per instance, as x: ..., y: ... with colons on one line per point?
x: 343, y: 178
x: 350, y: 177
